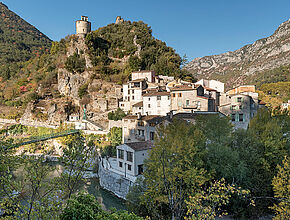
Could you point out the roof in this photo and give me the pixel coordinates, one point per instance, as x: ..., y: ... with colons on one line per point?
x: 195, y: 114
x: 209, y: 89
x: 138, y: 146
x: 153, y: 118
x: 182, y: 88
x: 131, y: 117
x: 137, y: 80
x: 157, y: 94
x: 138, y: 104
x: 143, y: 71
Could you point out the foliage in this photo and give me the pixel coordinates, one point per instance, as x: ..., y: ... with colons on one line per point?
x: 115, y: 136
x: 207, y: 204
x: 83, y: 90
x: 76, y: 160
x: 75, y: 63
x: 174, y: 169
x: 19, y: 42
x: 84, y: 206
x: 121, y: 41
x: 281, y: 187
x: 116, y: 115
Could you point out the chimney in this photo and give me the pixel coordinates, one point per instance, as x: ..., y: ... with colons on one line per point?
x: 139, y: 115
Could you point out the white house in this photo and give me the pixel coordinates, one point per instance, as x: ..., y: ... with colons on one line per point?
x: 156, y: 103
x: 131, y: 156
x: 144, y: 74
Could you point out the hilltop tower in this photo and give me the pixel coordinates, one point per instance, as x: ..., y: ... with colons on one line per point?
x: 119, y: 20
x: 83, y: 26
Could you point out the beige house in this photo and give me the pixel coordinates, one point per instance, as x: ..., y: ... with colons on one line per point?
x: 241, y: 104
x: 136, y: 128
x: 190, y: 98
x: 145, y: 75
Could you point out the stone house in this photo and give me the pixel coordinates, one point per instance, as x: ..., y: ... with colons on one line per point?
x: 156, y: 103
x: 190, y: 98
x: 145, y: 75
x: 137, y: 128
x: 241, y: 104
x: 213, y: 84
x: 132, y: 94
x: 131, y: 156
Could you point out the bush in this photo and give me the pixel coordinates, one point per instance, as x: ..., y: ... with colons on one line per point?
x: 83, y: 90
x: 75, y: 64
x: 116, y: 115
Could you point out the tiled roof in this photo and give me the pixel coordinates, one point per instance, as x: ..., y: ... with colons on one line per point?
x: 138, y: 104
x: 157, y: 94
x: 209, y: 89
x: 138, y: 146
x: 182, y: 88
x: 143, y: 71
x: 131, y: 117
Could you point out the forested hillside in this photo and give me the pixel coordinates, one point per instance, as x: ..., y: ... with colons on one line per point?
x: 129, y: 46
x: 19, y: 41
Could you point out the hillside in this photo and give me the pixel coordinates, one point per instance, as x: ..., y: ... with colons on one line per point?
x: 19, y: 41
x: 258, y: 62
x: 77, y: 72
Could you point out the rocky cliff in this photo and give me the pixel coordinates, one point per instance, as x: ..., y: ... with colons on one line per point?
x: 237, y: 67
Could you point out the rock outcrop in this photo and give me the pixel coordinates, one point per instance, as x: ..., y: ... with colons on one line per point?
x: 234, y: 67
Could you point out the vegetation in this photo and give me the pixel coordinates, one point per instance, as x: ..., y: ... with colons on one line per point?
x: 19, y: 41
x: 118, y: 43
x: 189, y: 161
x: 116, y: 115
x: 75, y: 63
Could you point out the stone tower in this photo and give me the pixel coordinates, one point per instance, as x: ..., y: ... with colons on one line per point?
x: 119, y: 20
x: 83, y: 26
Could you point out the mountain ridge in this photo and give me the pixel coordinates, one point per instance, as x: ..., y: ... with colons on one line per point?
x: 235, y: 67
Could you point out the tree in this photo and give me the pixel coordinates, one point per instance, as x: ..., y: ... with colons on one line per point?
x: 85, y: 207
x: 116, y: 115
x: 77, y: 158
x: 207, y: 204
x: 115, y: 136
x: 174, y: 169
x: 281, y: 188
x: 75, y: 63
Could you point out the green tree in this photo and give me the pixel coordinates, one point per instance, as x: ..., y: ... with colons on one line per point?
x: 174, y: 169
x: 85, y: 207
x: 115, y: 136
x: 77, y: 158
x: 75, y: 63
x: 281, y: 187
x: 116, y: 115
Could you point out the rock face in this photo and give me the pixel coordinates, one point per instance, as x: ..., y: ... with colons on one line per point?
x: 102, y: 96
x: 233, y: 67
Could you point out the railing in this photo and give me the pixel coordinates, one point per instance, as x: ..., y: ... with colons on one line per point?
x: 45, y: 137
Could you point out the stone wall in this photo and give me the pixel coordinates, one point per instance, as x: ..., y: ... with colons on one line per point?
x: 113, y: 182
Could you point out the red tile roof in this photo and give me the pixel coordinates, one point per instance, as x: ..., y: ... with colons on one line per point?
x: 157, y: 94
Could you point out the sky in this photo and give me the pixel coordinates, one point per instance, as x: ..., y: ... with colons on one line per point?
x: 196, y: 28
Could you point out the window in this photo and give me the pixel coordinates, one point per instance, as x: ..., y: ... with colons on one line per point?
x: 140, y: 169
x: 233, y: 107
x: 129, y: 167
x: 120, y: 164
x: 132, y: 97
x: 140, y: 123
x: 241, y: 117
x: 132, y: 91
x: 168, y: 97
x: 122, y: 105
x: 233, y: 117
x: 151, y: 124
x: 140, y: 132
x: 151, y: 136
x: 148, y: 99
x: 120, y: 154
x: 173, y: 94
x: 129, y: 156
x: 198, y: 105
x: 158, y: 97
x: 149, y: 106
x: 239, y: 99
x: 187, y: 102
x: 179, y: 94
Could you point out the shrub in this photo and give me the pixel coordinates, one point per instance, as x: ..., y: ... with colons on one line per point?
x: 75, y: 64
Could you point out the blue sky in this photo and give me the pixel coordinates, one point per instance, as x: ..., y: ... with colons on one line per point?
x: 193, y: 27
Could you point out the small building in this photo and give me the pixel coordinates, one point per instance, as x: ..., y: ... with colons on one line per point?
x: 74, y: 117
x: 156, y: 103
x: 144, y: 74
x: 213, y: 84
x: 131, y: 156
x: 83, y: 26
x: 190, y: 98
x: 136, y: 128
x: 132, y: 94
x: 241, y: 104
